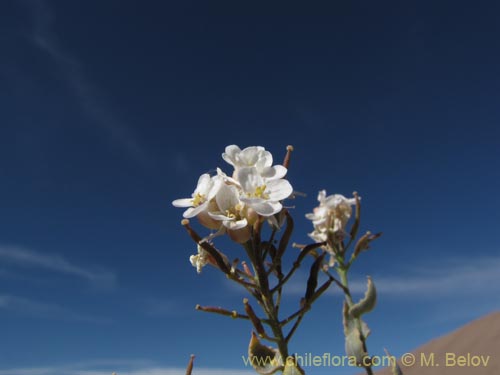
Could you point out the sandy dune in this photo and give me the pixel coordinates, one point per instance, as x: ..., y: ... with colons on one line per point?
x: 459, y: 352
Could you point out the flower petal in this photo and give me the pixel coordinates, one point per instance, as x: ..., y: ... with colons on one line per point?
x: 218, y: 216
x: 184, y: 202
x: 279, y: 189
x: 230, y: 154
x: 234, y: 225
x: 249, y: 179
x: 203, y: 183
x: 193, y: 211
x: 227, y: 197
x: 267, y: 208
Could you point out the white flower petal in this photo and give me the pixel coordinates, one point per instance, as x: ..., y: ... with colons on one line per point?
x: 280, y: 171
x: 265, y: 159
x: 203, y: 183
x: 215, y: 184
x: 230, y: 154
x: 250, y: 156
x: 273, y: 173
x: 267, y: 208
x: 184, y: 202
x: 225, y: 178
x: 321, y: 196
x: 193, y: 211
x: 227, y: 197
x: 252, y: 201
x: 279, y: 189
x: 234, y: 225
x: 218, y: 216
x: 249, y: 179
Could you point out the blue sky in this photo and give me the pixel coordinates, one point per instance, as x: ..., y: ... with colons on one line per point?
x: 110, y: 110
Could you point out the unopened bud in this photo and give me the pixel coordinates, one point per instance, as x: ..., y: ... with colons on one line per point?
x: 246, y: 269
x: 286, y: 161
x: 253, y: 318
x: 364, y: 242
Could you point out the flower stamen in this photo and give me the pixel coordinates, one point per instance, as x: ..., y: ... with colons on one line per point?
x: 198, y: 199
x: 260, y: 192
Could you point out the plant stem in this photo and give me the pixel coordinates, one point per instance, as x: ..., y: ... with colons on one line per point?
x: 267, y: 302
x: 342, y: 272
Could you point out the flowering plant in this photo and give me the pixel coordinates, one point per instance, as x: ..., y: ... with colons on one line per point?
x: 239, y: 205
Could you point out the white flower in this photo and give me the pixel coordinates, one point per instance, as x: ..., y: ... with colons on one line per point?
x: 331, y: 216
x: 201, y: 260
x: 254, y: 156
x: 205, y: 191
x: 229, y: 208
x: 261, y: 194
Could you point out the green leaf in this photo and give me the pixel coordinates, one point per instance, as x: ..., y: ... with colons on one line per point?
x: 312, y: 282
x: 264, y: 359
x: 353, y: 337
x: 367, y: 303
x: 285, y: 238
x: 291, y: 367
x: 363, y: 243
x: 355, y: 226
x: 354, y: 346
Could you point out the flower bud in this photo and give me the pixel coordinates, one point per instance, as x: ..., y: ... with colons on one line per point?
x: 207, y: 221
x: 254, y: 319
x: 239, y: 235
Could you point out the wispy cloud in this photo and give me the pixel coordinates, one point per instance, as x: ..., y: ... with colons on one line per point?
x: 160, y: 307
x: 30, y: 307
x: 51, y: 262
x: 146, y: 371
x: 88, y: 95
x: 453, y: 278
x: 107, y: 370
x: 180, y: 162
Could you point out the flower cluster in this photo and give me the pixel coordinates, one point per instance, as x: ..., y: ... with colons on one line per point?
x: 232, y: 204
x: 237, y: 204
x: 330, y: 217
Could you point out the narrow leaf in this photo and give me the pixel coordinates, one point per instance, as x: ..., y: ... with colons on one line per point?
x: 312, y: 282
x: 253, y: 318
x: 355, y: 226
x: 292, y: 368
x: 285, y: 238
x: 364, y: 242
x: 367, y: 303
x: 354, y: 346
x: 264, y: 359
x: 396, y: 370
x: 308, y: 249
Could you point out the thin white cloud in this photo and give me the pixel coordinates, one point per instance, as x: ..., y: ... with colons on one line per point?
x: 29, y: 258
x: 180, y: 162
x: 89, y: 96
x: 160, y: 307
x: 65, y: 370
x: 166, y: 371
x: 121, y: 367
x: 30, y: 307
x: 453, y: 278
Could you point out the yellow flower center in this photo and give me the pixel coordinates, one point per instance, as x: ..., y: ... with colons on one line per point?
x: 198, y: 199
x: 260, y: 192
x: 230, y: 214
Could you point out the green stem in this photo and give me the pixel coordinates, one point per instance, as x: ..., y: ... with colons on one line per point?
x: 342, y: 272
x: 267, y: 301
